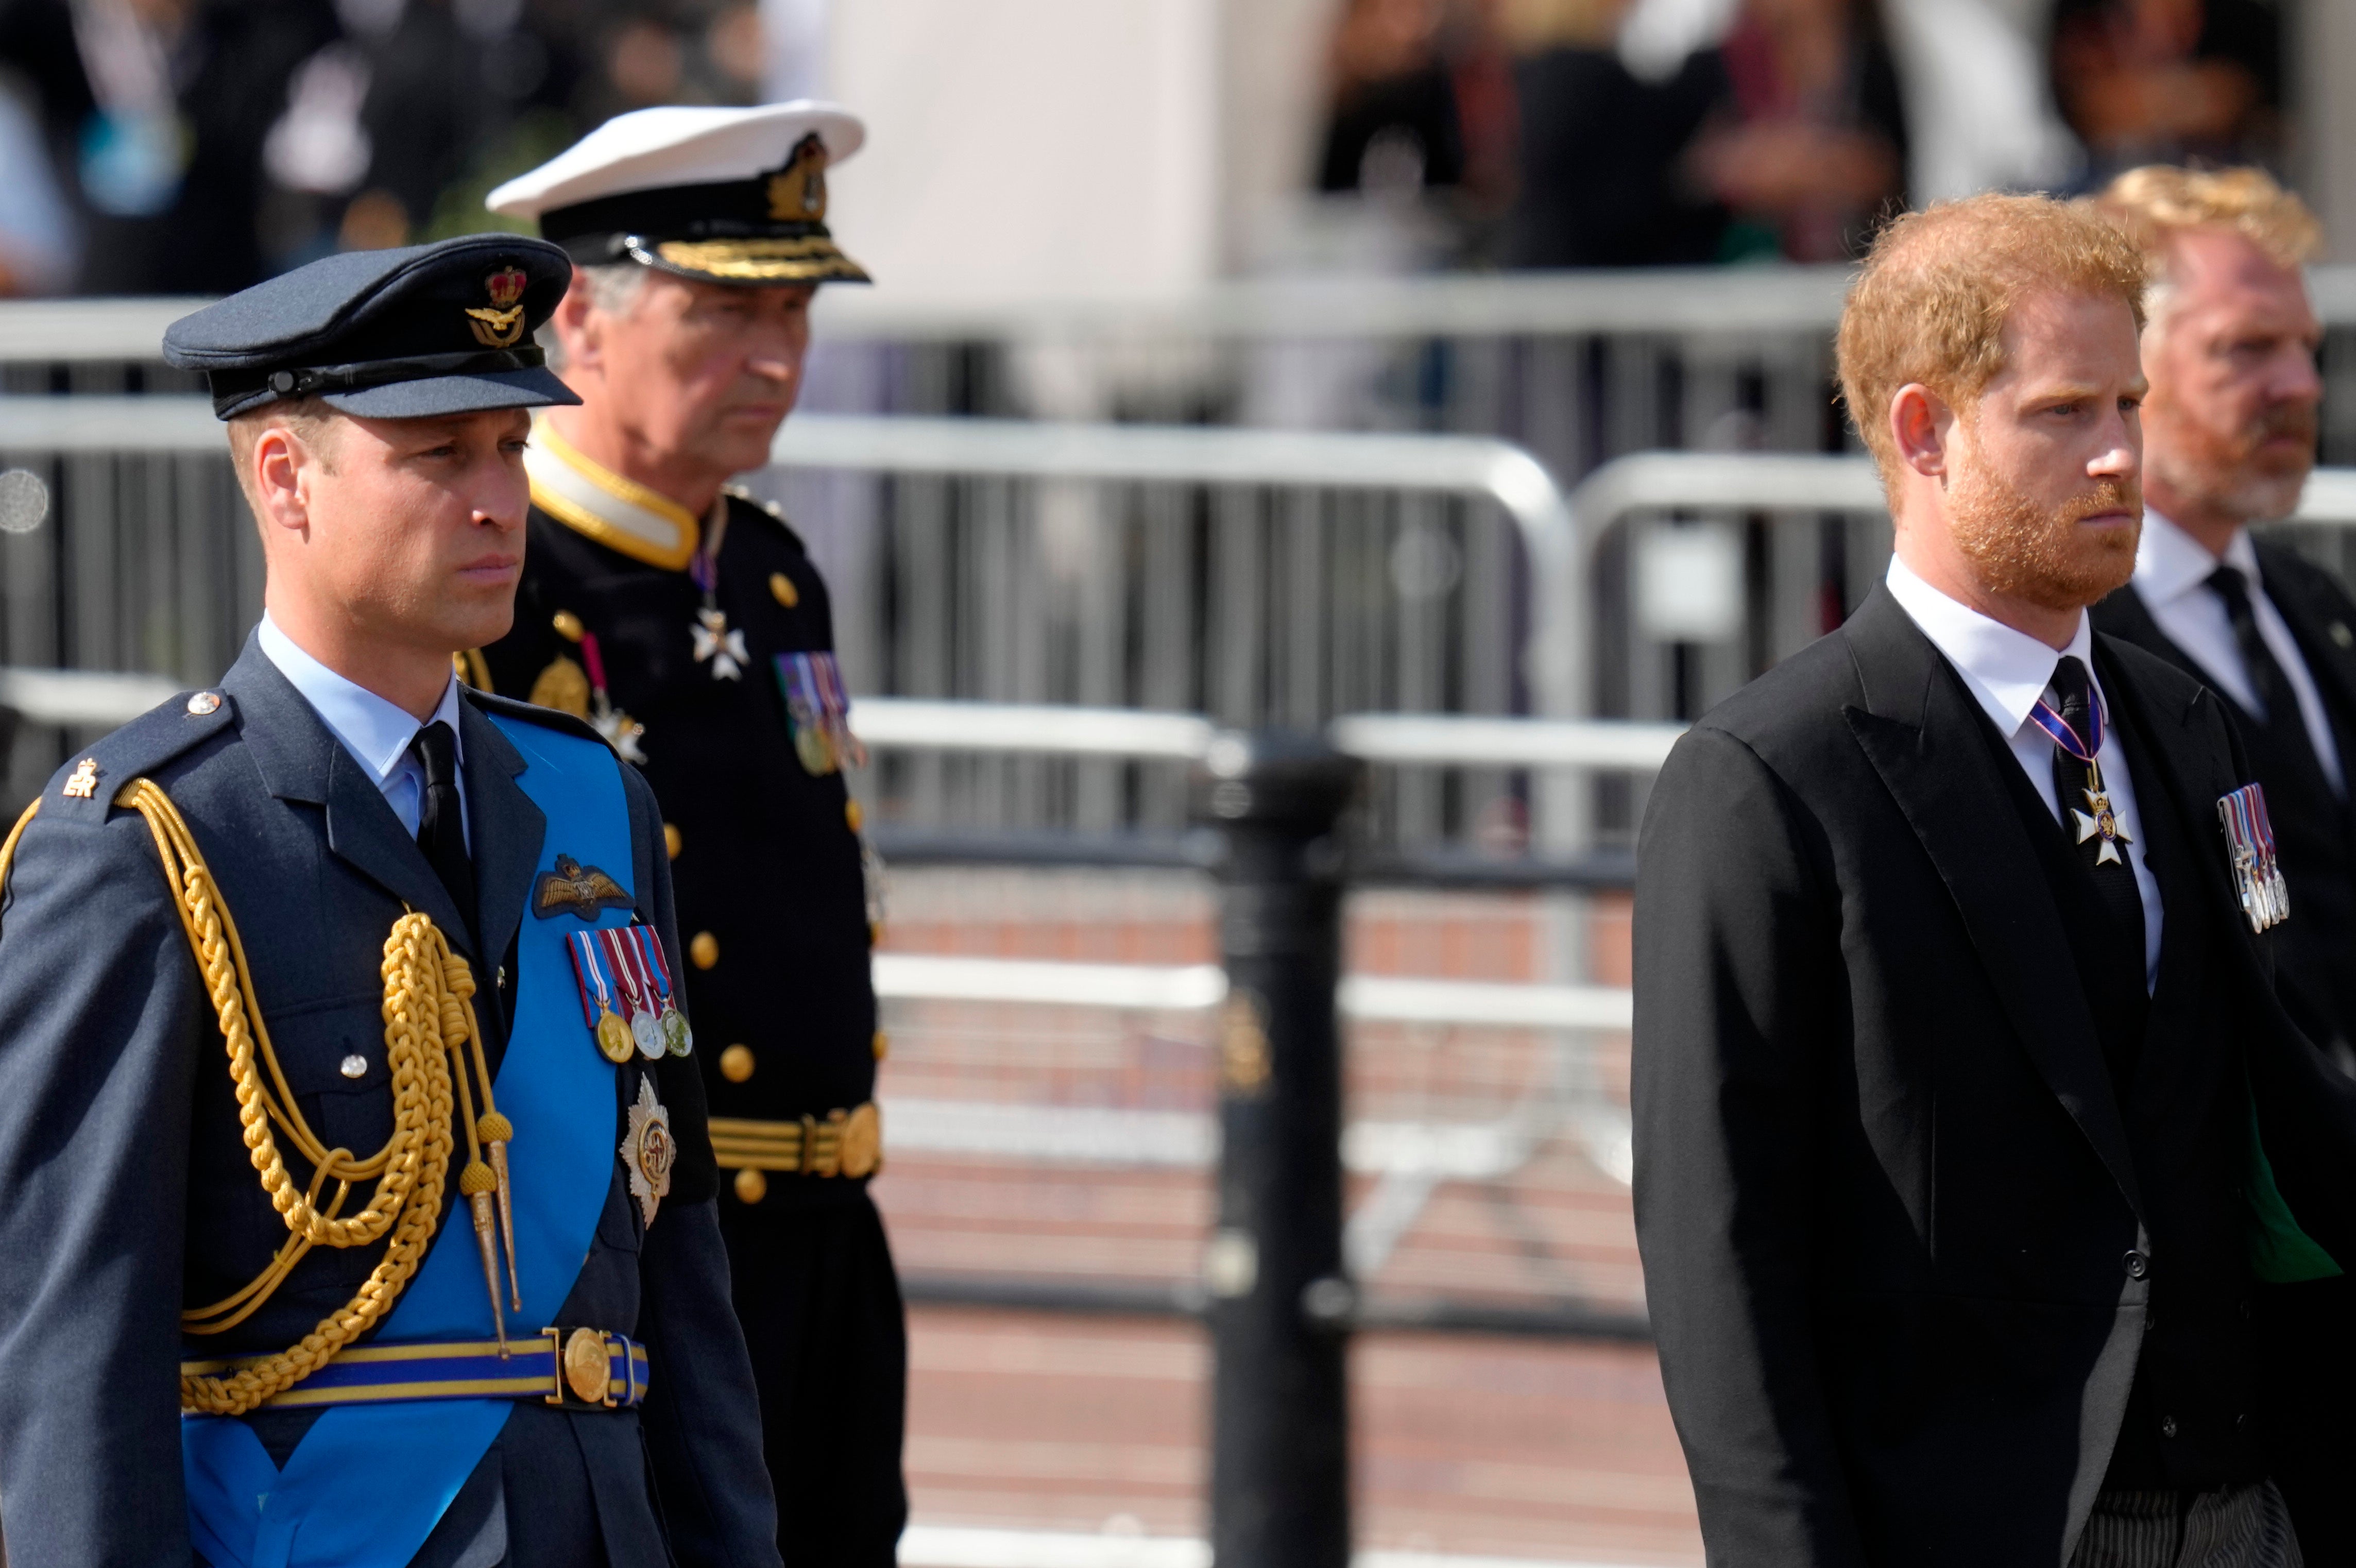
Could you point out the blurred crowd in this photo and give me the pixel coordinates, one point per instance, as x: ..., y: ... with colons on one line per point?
x: 194, y: 146
x: 1549, y: 142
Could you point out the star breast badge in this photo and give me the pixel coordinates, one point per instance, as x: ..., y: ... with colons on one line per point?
x: 720, y: 643
x: 501, y: 324
x: 647, y: 1151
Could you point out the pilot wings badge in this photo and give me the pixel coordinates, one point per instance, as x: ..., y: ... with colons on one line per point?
x: 573, y: 889
x: 500, y: 325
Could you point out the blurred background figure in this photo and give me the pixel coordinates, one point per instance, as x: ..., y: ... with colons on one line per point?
x: 2171, y: 81
x: 1808, y: 145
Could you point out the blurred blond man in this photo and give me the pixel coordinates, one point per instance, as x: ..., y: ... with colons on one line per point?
x: 1950, y: 1034
x: 2229, y: 437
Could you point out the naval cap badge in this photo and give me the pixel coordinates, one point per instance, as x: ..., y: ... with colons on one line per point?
x: 501, y: 324
x: 797, y: 192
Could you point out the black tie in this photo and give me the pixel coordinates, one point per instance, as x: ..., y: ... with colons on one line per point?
x: 2071, y: 696
x: 441, y: 831
x: 2276, y: 704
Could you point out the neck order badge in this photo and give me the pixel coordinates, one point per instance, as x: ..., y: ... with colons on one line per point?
x: 2098, y: 819
x: 245, y: 1512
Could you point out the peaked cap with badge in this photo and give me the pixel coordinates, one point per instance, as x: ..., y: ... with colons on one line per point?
x: 407, y: 334
x: 731, y: 196
x: 338, y: 1235
x: 700, y: 640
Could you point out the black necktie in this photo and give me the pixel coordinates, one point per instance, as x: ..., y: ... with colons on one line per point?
x: 2087, y: 806
x: 2276, y: 704
x: 441, y: 831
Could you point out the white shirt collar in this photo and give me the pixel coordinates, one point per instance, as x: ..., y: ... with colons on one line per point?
x: 2005, y: 671
x: 2170, y: 563
x: 376, y: 732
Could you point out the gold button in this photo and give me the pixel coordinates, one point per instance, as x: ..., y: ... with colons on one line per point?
x: 853, y: 814
x: 736, y: 1063
x: 782, y: 587
x: 752, y: 1187
x: 670, y: 840
x: 880, y: 1045
x: 704, y: 950
x: 568, y: 626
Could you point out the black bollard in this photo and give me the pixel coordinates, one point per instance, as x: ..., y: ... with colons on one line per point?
x: 1279, y: 1304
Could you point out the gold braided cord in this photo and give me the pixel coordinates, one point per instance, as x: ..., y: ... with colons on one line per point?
x: 429, y: 1017
x: 429, y: 1023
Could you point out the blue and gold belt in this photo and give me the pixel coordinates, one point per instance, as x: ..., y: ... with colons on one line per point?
x: 580, y: 1369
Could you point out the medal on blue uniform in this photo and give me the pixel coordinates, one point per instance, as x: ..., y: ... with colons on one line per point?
x: 2098, y: 820
x: 622, y: 959
x: 2250, y: 840
x: 677, y: 1037
x: 613, y: 1035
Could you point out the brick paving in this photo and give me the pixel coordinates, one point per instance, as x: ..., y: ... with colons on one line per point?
x: 1519, y: 1448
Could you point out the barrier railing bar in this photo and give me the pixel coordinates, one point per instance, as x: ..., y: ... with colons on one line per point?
x: 1188, y: 1300
x: 1747, y: 304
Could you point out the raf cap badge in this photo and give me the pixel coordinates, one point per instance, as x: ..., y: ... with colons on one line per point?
x: 577, y: 890
x: 2250, y: 839
x: 501, y: 324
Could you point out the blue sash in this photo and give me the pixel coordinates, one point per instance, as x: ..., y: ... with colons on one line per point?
x: 367, y: 1483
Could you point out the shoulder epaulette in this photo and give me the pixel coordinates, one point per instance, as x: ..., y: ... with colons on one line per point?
x: 547, y: 718
x: 747, y: 506
x: 85, y: 787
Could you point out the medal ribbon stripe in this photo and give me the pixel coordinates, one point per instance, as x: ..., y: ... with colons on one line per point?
x: 2043, y: 716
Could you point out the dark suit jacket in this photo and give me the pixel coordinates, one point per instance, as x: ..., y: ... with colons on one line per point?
x: 1884, y: 1189
x: 125, y: 1191
x: 2316, y: 959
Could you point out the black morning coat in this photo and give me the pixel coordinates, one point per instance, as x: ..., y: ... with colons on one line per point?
x: 125, y: 1191
x: 2316, y: 828
x: 1902, y: 1231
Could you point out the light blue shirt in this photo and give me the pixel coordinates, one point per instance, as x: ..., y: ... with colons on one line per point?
x: 2006, y: 672
x: 377, y: 732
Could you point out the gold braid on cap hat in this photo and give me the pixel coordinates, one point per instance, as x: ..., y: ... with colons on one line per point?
x: 429, y: 1015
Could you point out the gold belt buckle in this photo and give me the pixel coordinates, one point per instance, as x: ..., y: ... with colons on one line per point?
x: 584, y: 1366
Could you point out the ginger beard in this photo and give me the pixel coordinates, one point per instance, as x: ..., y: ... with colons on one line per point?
x: 2255, y: 471
x: 2038, y: 553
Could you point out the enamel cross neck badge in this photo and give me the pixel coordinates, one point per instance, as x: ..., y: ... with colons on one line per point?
x: 2098, y: 820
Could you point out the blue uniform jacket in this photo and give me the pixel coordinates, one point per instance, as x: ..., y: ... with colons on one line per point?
x: 125, y: 1192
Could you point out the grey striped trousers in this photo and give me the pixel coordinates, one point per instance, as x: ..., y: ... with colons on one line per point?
x: 2243, y: 1527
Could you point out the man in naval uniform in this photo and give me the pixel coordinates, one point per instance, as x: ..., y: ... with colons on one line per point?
x: 341, y: 1075
x: 2229, y: 437
x: 689, y: 625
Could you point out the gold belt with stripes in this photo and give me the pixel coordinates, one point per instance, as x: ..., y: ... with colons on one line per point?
x: 841, y: 1144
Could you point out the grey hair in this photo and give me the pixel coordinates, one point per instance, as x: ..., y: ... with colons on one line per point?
x: 612, y: 288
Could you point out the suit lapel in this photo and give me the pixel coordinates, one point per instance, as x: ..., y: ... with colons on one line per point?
x: 301, y: 759
x: 1921, y: 731
x: 508, y: 829
x: 2312, y: 625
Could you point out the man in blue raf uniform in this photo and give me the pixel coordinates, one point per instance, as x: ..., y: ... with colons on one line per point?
x: 688, y: 624
x: 343, y: 1082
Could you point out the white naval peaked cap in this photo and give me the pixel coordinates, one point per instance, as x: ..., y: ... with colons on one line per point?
x: 732, y: 195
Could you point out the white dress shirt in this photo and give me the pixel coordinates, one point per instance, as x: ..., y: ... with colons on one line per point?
x: 377, y: 732
x: 2172, y: 571
x: 2006, y: 672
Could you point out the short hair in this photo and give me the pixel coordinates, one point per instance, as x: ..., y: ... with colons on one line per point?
x: 1930, y: 303
x: 311, y: 419
x: 2157, y: 201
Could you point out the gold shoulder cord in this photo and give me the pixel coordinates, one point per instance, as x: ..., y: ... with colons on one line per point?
x: 429, y: 1015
